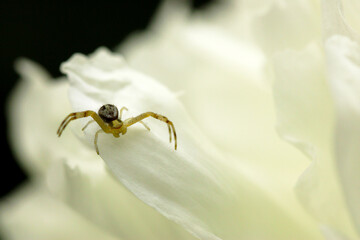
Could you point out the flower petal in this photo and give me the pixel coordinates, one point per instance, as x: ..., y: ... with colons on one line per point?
x: 301, y: 114
x: 194, y: 186
x: 35, y: 109
x: 237, y: 101
x: 31, y: 213
x: 319, y: 188
x: 288, y: 25
x: 332, y: 234
x: 182, y: 184
x: 91, y: 190
x: 350, y: 10
x: 305, y: 119
x: 74, y: 173
x: 335, y: 21
x: 343, y: 59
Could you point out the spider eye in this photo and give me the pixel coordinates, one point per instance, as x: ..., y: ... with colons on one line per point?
x: 108, y: 113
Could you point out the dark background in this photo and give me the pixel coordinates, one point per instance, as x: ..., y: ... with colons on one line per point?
x: 49, y: 33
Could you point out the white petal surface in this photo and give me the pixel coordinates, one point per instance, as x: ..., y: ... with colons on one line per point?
x: 183, y: 185
x: 194, y: 185
x: 32, y: 214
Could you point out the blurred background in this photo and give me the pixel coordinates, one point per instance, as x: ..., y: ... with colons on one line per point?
x: 49, y: 33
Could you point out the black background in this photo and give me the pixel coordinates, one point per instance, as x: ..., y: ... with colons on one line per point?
x: 49, y: 33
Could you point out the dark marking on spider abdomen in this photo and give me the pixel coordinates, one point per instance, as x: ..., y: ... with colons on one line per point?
x: 108, y: 113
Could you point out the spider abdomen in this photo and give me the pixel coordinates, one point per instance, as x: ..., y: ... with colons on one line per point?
x: 108, y: 113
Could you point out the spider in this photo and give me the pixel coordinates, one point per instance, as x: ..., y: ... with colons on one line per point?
x: 107, y: 118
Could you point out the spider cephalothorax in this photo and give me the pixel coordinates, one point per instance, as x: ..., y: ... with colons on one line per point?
x: 107, y: 118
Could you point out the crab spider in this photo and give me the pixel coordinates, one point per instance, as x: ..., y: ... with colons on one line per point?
x: 109, y: 122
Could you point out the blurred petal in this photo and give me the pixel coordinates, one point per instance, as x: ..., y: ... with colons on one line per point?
x: 343, y: 59
x: 93, y: 192
x: 179, y: 48
x: 190, y: 58
x: 331, y: 234
x: 302, y: 98
x: 351, y: 9
x: 288, y: 25
x: 306, y: 119
x: 31, y: 213
x: 35, y: 109
x: 334, y: 19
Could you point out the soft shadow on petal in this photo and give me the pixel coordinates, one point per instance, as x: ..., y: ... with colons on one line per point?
x: 31, y: 213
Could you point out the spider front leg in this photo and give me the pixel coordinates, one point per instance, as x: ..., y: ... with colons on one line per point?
x: 121, y: 111
x: 125, y: 108
x: 131, y: 121
x: 65, y: 122
x: 77, y: 115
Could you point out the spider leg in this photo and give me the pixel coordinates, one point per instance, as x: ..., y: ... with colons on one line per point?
x: 64, y: 123
x: 170, y: 133
x: 146, y: 126
x: 121, y: 111
x: 131, y: 121
x: 95, y: 140
x: 125, y: 108
x: 89, y: 122
x: 76, y: 115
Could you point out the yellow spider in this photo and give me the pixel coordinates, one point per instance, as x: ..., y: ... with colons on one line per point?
x: 107, y: 118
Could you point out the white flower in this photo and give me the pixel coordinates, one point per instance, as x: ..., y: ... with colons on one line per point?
x: 247, y: 76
